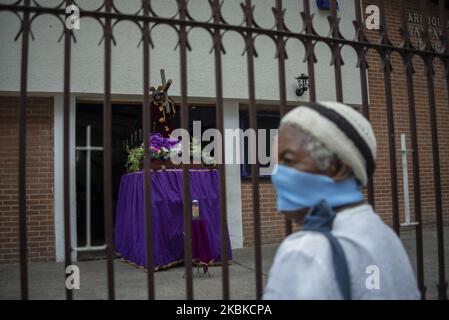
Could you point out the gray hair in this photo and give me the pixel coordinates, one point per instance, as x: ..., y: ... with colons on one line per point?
x: 318, y: 151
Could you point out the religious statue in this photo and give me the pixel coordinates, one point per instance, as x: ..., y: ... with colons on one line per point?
x: 162, y: 108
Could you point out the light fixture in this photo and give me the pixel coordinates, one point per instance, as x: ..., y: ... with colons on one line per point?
x: 303, y: 84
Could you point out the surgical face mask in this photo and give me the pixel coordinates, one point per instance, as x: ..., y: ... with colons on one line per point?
x: 297, y: 190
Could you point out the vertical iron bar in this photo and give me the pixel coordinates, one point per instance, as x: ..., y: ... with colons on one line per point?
x: 445, y: 50
x: 281, y: 59
x: 428, y: 67
x: 146, y: 125
x: 66, y: 129
x: 280, y: 49
x: 221, y: 167
x: 416, y: 186
x: 185, y: 169
x: 107, y: 166
x: 310, y: 54
x: 386, y: 65
x: 409, y: 71
x: 336, y: 57
x: 255, y: 166
x: 22, y: 155
x: 442, y: 285
x: 363, y: 83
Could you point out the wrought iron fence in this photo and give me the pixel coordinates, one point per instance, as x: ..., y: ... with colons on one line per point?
x: 108, y: 15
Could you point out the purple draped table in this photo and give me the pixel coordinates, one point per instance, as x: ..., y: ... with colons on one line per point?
x: 167, y: 205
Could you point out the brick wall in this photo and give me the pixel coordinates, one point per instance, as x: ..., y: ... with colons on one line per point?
x: 272, y: 224
x: 40, y: 217
x: 382, y: 175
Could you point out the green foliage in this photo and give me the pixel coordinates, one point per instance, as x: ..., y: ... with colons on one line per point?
x: 135, y: 157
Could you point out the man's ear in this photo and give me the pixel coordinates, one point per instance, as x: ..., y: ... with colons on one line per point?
x: 338, y: 170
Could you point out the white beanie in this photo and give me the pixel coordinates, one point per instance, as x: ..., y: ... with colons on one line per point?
x: 343, y: 130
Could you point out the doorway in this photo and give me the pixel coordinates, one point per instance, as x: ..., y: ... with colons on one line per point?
x: 126, y: 126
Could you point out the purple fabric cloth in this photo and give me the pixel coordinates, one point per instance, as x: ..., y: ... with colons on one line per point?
x: 168, y: 242
x: 201, y: 250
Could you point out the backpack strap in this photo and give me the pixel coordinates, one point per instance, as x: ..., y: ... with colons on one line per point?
x: 320, y: 219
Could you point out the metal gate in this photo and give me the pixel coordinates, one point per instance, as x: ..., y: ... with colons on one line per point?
x: 108, y: 15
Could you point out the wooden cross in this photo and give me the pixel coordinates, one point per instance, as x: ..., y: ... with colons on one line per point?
x: 162, y: 90
x: 165, y: 86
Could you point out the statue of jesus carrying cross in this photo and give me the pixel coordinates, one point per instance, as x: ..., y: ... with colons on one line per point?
x: 162, y: 108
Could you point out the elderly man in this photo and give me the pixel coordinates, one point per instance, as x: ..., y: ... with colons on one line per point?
x: 326, y: 153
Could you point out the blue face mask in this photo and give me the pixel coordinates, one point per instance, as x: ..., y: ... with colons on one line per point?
x: 297, y: 190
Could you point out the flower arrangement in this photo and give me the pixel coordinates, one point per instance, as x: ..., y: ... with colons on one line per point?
x: 161, y: 148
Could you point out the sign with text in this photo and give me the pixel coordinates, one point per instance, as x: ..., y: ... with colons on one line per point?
x: 415, y: 27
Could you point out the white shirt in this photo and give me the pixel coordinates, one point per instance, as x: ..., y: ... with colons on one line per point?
x: 379, y: 267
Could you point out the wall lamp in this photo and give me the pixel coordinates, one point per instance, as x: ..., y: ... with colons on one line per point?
x: 303, y: 84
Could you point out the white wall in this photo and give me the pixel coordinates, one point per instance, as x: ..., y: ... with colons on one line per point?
x: 59, y: 176
x: 233, y: 180
x: 46, y: 54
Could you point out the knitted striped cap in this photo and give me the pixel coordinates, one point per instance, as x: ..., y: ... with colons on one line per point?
x: 343, y: 130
